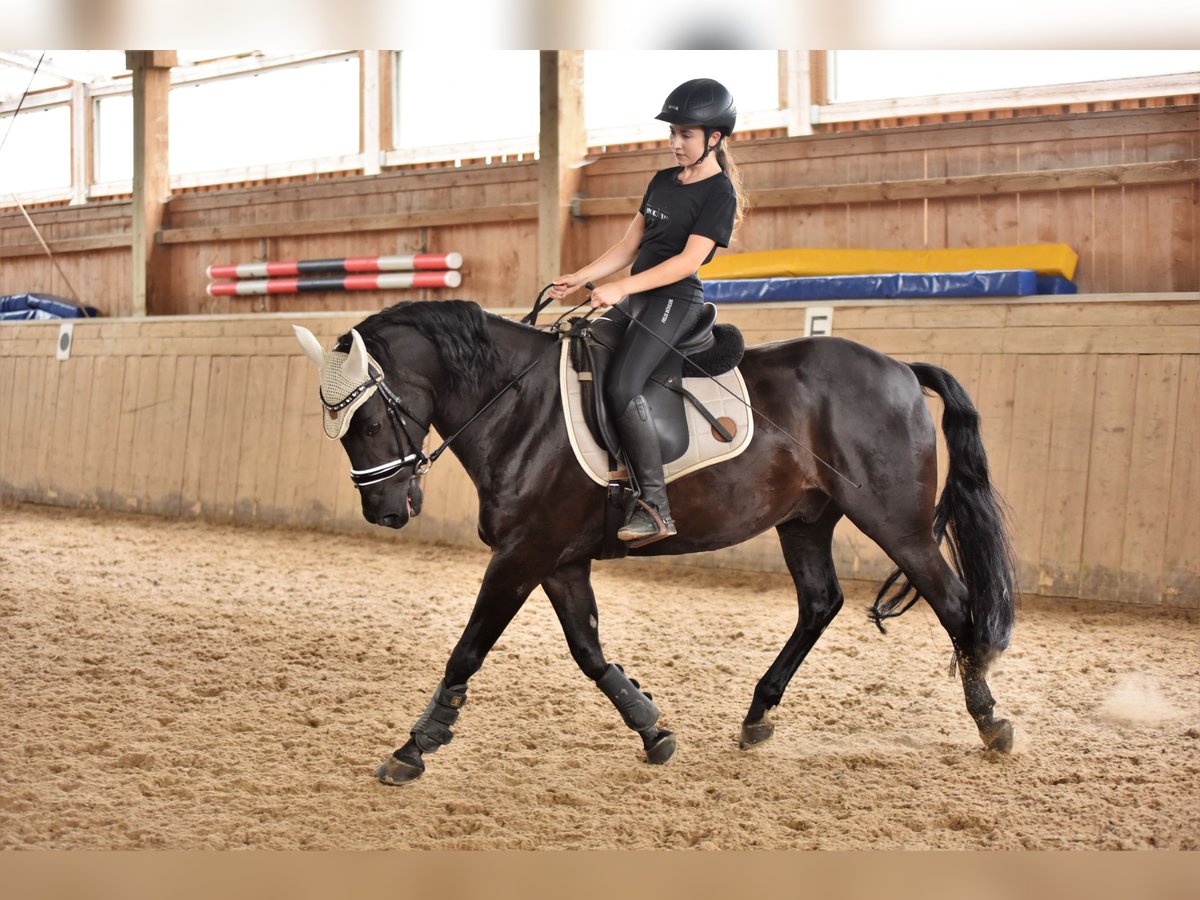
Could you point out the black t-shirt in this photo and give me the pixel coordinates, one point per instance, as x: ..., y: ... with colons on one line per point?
x: 673, y: 211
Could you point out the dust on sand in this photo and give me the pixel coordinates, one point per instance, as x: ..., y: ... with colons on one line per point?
x: 175, y: 684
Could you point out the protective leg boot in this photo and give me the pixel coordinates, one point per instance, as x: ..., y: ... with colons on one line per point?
x: 651, y: 517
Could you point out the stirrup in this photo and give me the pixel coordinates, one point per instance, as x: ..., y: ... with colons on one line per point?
x: 665, y: 527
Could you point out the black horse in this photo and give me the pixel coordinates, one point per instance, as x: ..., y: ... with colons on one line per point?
x: 862, y: 412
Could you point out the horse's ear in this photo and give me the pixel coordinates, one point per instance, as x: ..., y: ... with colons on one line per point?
x: 312, y: 347
x: 356, y: 364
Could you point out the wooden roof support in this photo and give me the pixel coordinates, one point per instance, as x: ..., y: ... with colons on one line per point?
x: 562, y: 146
x: 151, y: 172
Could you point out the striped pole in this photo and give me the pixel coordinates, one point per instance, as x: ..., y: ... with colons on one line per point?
x: 335, y: 283
x: 348, y: 264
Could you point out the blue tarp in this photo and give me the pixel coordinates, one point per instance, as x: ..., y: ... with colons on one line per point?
x: 1012, y: 283
x: 42, y: 306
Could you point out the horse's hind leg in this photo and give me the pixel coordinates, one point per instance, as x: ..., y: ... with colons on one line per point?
x: 570, y: 592
x: 807, y: 550
x: 922, y: 562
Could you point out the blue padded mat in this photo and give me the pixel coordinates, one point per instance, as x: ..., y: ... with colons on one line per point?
x: 1011, y: 283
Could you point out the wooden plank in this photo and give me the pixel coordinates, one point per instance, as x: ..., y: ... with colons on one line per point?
x: 216, y: 413
x: 871, y: 190
x: 55, y: 464
x: 120, y: 239
x: 8, y: 367
x: 963, y: 134
x: 1108, y: 477
x: 1151, y: 450
x: 515, y: 212
x: 1073, y: 397
x: 1111, y: 313
x: 196, y: 453
x: 1103, y: 339
x: 167, y: 429
x: 1027, y: 462
x: 141, y: 455
x: 73, y: 487
x: 1181, y: 574
x: 355, y: 188
x: 171, y: 428
x: 16, y: 454
x: 103, y: 429
x: 123, y: 496
x: 941, y: 340
x: 300, y: 431
x: 231, y: 415
x: 994, y: 400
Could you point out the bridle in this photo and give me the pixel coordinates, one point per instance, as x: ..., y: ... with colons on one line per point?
x: 398, y: 415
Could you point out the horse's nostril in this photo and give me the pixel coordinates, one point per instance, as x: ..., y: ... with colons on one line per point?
x: 390, y: 521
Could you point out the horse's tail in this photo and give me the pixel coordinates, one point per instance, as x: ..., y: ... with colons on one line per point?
x: 970, y: 517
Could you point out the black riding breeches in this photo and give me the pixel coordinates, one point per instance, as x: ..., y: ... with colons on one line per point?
x: 639, y: 353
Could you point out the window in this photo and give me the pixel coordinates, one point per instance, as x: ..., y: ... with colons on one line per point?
x: 37, y: 153
x: 298, y: 112
x: 625, y: 89
x: 466, y: 97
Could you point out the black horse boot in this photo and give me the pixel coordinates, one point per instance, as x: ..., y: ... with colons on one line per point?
x: 651, y: 517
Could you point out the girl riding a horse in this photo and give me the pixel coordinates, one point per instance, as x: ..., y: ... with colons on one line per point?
x: 687, y: 212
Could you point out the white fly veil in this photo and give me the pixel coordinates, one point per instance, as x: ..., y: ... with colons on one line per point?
x: 347, y: 380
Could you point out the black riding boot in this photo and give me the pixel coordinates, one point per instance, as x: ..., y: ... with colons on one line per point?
x: 651, y: 517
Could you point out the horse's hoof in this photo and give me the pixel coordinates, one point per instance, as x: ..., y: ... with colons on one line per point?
x: 755, y: 733
x: 661, y: 749
x: 998, y: 737
x: 398, y: 771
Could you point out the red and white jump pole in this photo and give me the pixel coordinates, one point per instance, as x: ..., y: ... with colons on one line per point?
x: 348, y: 264
x: 451, y: 279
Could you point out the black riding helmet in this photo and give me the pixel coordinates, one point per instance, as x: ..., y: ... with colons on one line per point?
x: 701, y: 101
x: 704, y: 102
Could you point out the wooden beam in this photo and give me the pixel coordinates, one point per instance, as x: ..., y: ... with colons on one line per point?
x: 1058, y: 128
x: 151, y: 172
x: 514, y: 212
x: 81, y: 144
x: 70, y: 245
x: 562, y: 147
x: 795, y: 95
x: 1169, y: 172
x: 370, y: 139
x: 1013, y: 98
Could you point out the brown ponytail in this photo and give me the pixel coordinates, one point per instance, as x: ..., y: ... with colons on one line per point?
x: 725, y: 159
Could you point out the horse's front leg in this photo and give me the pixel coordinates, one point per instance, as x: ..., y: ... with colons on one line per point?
x: 505, y: 587
x: 570, y: 591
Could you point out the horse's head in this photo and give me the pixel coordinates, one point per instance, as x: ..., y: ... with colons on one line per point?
x: 378, y: 433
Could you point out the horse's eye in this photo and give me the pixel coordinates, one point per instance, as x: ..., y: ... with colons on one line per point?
x: 373, y: 428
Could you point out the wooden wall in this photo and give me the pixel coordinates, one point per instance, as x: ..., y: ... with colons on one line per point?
x: 1119, y: 187
x: 1091, y: 412
x: 1103, y: 183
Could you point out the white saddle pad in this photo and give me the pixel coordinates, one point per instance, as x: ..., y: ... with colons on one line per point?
x: 704, y: 448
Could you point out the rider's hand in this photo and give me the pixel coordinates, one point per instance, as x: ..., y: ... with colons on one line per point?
x: 564, y: 285
x: 607, y: 295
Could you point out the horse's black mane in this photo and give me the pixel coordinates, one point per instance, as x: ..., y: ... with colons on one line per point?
x: 457, y: 328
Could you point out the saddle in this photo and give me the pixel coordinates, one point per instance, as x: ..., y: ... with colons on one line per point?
x: 710, y: 349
